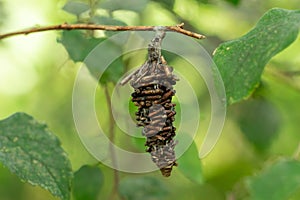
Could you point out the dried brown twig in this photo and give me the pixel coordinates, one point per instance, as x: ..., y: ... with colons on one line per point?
x: 178, y: 28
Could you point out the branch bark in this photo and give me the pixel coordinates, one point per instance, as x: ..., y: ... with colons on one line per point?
x: 178, y: 28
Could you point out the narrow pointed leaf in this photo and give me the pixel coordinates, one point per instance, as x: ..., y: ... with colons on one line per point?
x: 190, y: 165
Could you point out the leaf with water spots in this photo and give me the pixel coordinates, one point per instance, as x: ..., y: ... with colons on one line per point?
x: 29, y: 150
x: 241, y: 61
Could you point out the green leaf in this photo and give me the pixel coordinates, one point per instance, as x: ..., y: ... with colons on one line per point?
x: 168, y: 4
x: 113, y: 73
x: 77, y: 44
x: 3, y: 13
x: 146, y: 188
x: 133, y: 5
x: 203, y: 1
x: 29, y: 150
x: 75, y: 7
x: 82, y: 48
x: 233, y: 2
x: 87, y: 183
x: 99, y: 62
x: 278, y: 182
x: 190, y: 165
x: 108, y: 21
x: 139, y: 143
x: 259, y: 121
x: 242, y: 61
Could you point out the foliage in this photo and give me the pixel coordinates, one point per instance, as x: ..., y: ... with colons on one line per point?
x: 258, y: 119
x: 271, y: 179
x: 242, y: 61
x: 27, y: 149
x: 190, y: 166
x: 134, y: 5
x: 2, y: 13
x: 143, y: 188
x: 76, y: 7
x: 85, y: 45
x: 87, y: 183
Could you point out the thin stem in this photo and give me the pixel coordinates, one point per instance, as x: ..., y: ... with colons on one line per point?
x: 178, y: 28
x: 93, y: 8
x: 111, y: 133
x: 282, y: 77
x: 297, y: 153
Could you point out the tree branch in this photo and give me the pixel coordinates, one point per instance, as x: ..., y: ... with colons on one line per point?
x: 178, y: 28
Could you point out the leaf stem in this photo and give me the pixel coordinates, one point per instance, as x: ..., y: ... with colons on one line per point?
x: 111, y: 133
x: 178, y: 28
x: 297, y: 153
x: 283, y: 77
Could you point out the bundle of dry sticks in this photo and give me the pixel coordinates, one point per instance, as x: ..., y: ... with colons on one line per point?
x: 153, y: 91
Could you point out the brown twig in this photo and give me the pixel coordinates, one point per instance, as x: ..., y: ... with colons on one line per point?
x: 178, y: 28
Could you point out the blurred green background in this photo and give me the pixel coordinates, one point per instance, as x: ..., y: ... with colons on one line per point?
x: 37, y: 76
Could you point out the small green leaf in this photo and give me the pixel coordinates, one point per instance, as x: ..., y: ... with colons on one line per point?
x: 190, y: 165
x: 278, y: 182
x: 87, y: 183
x: 259, y: 121
x: 242, y: 61
x: 29, y: 150
x: 146, y: 188
x: 75, y: 7
x: 133, y: 5
x: 77, y: 44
